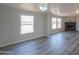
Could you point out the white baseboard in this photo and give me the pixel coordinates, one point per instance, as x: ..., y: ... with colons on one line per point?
x: 20, y: 41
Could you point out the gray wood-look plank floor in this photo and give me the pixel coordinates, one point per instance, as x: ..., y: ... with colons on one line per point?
x: 64, y: 43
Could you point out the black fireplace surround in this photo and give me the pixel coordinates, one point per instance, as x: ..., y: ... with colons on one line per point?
x: 70, y: 26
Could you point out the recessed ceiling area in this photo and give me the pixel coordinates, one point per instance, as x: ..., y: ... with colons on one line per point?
x: 64, y: 9
x: 60, y: 9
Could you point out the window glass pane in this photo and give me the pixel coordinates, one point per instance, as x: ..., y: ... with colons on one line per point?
x: 59, y: 23
x: 26, y: 24
x: 54, y: 23
x: 26, y: 29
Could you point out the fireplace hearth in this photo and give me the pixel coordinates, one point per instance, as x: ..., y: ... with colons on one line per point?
x: 70, y: 26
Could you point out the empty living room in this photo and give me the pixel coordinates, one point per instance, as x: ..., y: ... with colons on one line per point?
x: 39, y: 28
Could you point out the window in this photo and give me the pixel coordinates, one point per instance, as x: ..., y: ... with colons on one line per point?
x: 27, y: 24
x: 56, y: 23
x: 59, y: 23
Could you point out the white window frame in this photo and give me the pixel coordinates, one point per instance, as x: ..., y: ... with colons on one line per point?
x: 27, y: 24
x: 57, y: 23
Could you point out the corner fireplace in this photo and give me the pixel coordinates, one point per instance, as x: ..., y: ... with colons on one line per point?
x: 70, y: 26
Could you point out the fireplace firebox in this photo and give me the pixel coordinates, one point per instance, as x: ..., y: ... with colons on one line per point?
x: 70, y: 26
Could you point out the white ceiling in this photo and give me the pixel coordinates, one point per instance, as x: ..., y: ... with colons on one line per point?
x: 61, y: 9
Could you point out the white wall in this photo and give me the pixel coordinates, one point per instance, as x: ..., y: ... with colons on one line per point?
x: 10, y: 26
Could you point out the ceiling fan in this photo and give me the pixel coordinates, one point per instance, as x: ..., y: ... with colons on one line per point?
x: 43, y: 6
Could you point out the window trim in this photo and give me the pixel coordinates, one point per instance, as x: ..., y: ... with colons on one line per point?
x: 57, y: 23
x: 27, y: 24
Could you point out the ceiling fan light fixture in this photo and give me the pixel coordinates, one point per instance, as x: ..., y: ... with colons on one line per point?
x: 43, y: 6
